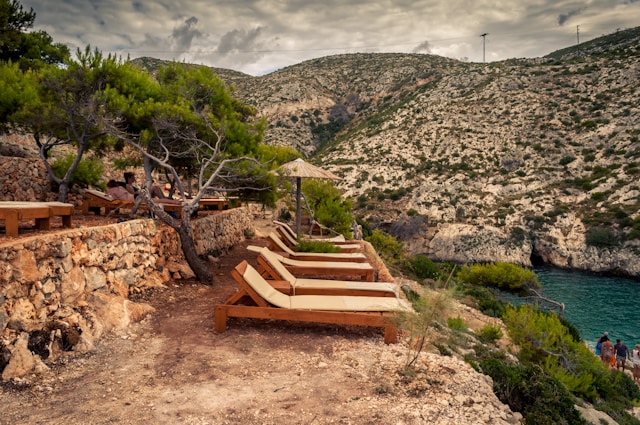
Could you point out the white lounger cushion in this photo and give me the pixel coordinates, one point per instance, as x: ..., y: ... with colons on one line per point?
x: 300, y: 255
x: 297, y: 282
x: 290, y: 231
x: 320, y: 302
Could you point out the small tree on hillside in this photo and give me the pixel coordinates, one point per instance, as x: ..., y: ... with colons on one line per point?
x: 328, y: 206
x: 193, y: 129
x: 31, y: 50
x: 70, y: 108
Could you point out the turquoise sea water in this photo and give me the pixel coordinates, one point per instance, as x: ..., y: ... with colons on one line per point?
x: 595, y: 304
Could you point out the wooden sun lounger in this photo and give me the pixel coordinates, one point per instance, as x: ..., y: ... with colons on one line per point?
x: 14, y: 211
x: 331, y: 270
x: 293, y: 242
x: 278, y: 245
x: 95, y: 200
x: 262, y: 301
x: 275, y: 271
x: 335, y: 239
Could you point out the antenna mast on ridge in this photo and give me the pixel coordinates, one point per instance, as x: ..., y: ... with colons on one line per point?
x: 484, y: 39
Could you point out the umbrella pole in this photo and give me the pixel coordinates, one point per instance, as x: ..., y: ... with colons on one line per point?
x: 299, y: 208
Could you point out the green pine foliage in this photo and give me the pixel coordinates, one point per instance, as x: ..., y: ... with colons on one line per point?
x: 329, y: 207
x: 20, y: 44
x: 545, y: 341
x: 17, y: 88
x: 87, y: 173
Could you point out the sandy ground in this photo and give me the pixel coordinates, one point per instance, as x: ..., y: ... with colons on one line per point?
x: 172, y: 368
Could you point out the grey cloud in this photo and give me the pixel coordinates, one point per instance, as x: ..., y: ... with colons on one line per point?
x: 424, y: 47
x: 240, y: 40
x: 137, y: 6
x: 184, y: 34
x: 564, y: 17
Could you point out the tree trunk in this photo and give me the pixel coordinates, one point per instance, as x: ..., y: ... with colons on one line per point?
x: 63, y: 191
x: 199, y: 267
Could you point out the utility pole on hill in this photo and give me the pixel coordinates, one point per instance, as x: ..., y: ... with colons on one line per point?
x: 484, y: 39
x: 578, y: 33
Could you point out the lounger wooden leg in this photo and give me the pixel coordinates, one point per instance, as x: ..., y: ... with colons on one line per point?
x: 66, y: 221
x: 220, y: 317
x: 43, y: 223
x: 11, y: 223
x: 390, y: 334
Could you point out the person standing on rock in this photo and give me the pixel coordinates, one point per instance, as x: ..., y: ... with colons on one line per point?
x: 607, y: 351
x: 604, y: 337
x: 622, y: 354
x: 635, y: 358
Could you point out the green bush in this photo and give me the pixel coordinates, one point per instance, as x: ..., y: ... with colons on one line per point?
x: 601, y: 237
x: 456, y: 323
x: 621, y: 398
x: 88, y: 172
x: 567, y: 160
x: 486, y: 300
x: 284, y: 215
x: 316, y: 246
x: 500, y: 275
x: 529, y: 390
x: 424, y: 268
x: 489, y: 333
x: 543, y: 340
x: 388, y: 247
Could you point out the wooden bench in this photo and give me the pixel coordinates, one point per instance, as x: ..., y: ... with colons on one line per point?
x: 217, y: 204
x: 95, y: 200
x: 14, y: 211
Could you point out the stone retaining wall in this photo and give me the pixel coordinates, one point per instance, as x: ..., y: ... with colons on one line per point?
x: 24, y: 179
x: 75, y: 284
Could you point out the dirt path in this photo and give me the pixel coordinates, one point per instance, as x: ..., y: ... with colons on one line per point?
x: 172, y: 368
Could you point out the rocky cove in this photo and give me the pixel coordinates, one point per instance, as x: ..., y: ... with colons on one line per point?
x: 563, y: 246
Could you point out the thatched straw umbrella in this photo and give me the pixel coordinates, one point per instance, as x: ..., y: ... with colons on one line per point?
x: 300, y: 169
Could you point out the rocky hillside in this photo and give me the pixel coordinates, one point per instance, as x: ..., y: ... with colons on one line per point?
x: 522, y: 160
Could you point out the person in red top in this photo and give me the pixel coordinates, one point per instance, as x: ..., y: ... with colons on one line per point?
x: 606, y: 353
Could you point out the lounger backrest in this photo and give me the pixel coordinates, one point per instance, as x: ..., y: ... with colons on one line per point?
x: 266, y: 291
x: 286, y: 228
x: 273, y: 261
x: 281, y: 245
x: 287, y: 237
x: 99, y: 194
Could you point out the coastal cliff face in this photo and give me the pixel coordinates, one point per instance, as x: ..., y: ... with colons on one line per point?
x: 506, y: 161
x: 463, y: 243
x: 521, y: 160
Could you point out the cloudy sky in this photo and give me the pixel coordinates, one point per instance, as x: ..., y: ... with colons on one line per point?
x: 260, y: 36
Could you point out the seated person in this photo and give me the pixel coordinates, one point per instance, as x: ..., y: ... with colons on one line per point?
x: 129, y: 180
x: 118, y: 192
x: 156, y: 192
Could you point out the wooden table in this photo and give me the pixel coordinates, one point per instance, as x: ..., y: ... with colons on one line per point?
x: 14, y: 211
x: 213, y: 203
